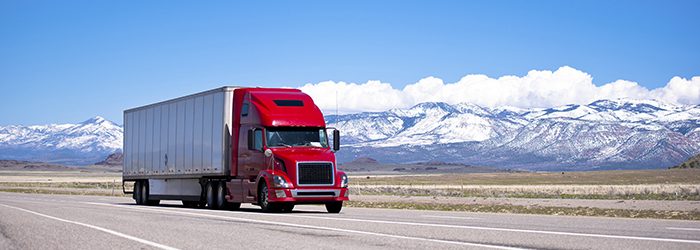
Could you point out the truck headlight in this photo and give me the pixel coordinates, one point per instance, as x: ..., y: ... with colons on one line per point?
x: 344, y: 181
x: 280, y: 182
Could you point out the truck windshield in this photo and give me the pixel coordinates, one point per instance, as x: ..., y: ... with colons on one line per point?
x: 291, y: 137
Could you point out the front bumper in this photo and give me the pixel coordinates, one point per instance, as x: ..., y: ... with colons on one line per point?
x: 308, y: 195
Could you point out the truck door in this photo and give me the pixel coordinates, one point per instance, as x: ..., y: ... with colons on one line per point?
x: 251, y: 159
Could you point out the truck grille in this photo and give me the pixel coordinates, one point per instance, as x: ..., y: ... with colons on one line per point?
x: 315, y: 173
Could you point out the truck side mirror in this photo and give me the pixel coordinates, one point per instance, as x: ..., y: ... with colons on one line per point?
x: 251, y: 139
x: 336, y: 140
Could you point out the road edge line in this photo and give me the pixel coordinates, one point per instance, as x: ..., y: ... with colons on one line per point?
x: 109, y: 231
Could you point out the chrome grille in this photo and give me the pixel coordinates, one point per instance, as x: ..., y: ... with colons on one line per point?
x: 315, y: 173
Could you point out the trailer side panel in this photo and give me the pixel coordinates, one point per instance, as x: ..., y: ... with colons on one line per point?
x: 186, y: 137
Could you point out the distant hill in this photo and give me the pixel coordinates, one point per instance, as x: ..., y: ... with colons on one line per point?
x: 363, y: 160
x: 693, y: 162
x: 116, y: 159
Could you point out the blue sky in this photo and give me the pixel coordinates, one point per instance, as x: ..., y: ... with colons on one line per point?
x: 66, y: 61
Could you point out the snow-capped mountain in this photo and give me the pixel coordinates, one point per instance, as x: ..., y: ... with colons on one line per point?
x: 83, y: 143
x: 603, y: 134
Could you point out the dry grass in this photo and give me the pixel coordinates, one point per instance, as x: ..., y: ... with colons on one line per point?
x: 674, y: 184
x: 626, y: 192
x: 58, y: 176
x: 621, y: 177
x: 70, y: 188
x: 63, y: 182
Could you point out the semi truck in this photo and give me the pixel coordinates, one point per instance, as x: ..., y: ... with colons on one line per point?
x: 232, y: 145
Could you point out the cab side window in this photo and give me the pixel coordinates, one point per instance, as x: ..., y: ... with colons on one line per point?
x: 244, y: 109
x: 257, y: 141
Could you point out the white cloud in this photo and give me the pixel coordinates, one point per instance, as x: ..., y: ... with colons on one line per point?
x: 539, y: 88
x: 679, y: 90
x: 370, y: 96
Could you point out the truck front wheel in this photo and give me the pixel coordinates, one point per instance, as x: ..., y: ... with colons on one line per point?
x: 334, y: 207
x: 263, y: 200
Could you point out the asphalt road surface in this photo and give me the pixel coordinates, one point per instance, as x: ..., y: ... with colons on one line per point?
x: 92, y: 222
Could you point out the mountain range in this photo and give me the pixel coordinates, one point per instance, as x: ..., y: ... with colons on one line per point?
x: 605, y: 134
x: 73, y: 144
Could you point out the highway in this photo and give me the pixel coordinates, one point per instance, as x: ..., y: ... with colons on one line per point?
x: 34, y: 221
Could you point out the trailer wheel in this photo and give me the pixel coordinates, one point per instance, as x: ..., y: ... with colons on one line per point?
x: 137, y: 192
x: 144, y: 193
x: 211, y: 195
x: 263, y: 200
x: 334, y: 207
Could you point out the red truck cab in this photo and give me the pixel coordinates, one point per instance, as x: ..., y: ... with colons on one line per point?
x: 283, y: 156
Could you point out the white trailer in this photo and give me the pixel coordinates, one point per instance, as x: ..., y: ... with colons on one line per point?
x: 173, y: 143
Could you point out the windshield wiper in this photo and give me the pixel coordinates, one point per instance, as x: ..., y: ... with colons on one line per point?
x: 282, y: 144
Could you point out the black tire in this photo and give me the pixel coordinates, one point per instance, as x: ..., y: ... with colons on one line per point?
x: 210, y: 193
x: 334, y: 207
x: 287, y: 207
x: 137, y: 192
x: 263, y: 201
x: 221, y: 195
x: 144, y: 192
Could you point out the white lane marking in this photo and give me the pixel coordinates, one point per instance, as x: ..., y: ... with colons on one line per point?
x: 126, y: 236
x: 449, y: 217
x: 683, y: 228
x: 276, y: 223
x: 457, y: 226
x: 610, y: 236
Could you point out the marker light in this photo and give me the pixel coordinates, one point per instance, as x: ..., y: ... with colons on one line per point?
x: 344, y: 181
